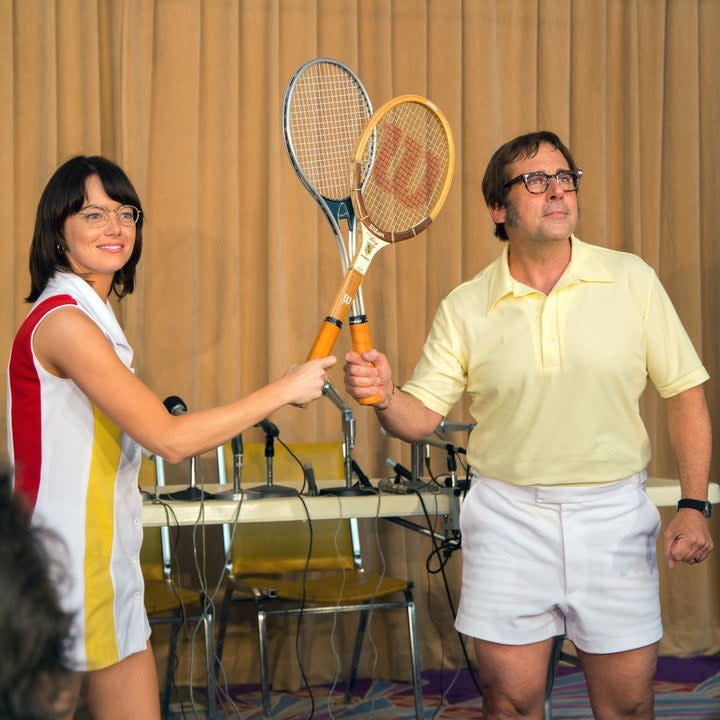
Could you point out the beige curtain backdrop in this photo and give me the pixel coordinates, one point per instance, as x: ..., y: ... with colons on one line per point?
x: 239, y: 265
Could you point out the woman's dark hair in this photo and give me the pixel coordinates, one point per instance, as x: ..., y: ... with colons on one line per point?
x: 35, y: 631
x: 496, y: 175
x: 64, y: 195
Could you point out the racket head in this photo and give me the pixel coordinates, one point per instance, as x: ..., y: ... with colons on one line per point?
x: 325, y: 110
x: 409, y: 147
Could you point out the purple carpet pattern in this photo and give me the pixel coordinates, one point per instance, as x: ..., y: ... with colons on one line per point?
x: 684, y: 688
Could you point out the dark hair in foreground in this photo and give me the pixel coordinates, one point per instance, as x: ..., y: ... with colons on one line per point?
x: 496, y: 174
x: 35, y: 631
x: 64, y: 195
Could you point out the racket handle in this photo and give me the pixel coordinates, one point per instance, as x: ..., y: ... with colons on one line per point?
x: 360, y: 333
x: 330, y: 328
x: 325, y: 339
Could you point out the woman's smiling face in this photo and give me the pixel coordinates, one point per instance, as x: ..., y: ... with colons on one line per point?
x: 97, y: 252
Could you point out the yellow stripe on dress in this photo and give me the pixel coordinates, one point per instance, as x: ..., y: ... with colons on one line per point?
x: 100, y: 637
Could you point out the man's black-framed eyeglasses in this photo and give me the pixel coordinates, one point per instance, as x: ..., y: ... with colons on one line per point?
x: 537, y: 182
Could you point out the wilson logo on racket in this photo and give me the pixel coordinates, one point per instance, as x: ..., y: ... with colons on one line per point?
x: 399, y: 162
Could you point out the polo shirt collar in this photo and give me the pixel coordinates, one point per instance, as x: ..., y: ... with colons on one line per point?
x: 585, y: 266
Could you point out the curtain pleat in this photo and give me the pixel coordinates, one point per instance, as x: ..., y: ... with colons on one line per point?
x: 239, y: 265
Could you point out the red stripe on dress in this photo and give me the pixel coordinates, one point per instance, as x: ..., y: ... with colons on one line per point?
x: 25, y: 409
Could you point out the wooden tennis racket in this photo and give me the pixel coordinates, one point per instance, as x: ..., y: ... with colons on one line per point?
x: 408, y: 182
x: 325, y: 111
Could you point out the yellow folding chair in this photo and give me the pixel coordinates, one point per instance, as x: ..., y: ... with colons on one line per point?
x: 270, y: 566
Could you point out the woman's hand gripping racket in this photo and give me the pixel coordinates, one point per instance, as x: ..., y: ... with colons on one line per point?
x: 325, y: 111
x: 409, y: 179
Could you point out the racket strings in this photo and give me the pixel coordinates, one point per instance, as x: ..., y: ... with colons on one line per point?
x: 328, y: 114
x: 410, y: 169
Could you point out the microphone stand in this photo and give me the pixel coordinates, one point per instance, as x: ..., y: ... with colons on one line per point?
x: 417, y: 451
x: 192, y: 492
x: 237, y: 493
x: 362, y: 487
x: 452, y: 467
x: 176, y: 406
x: 270, y: 489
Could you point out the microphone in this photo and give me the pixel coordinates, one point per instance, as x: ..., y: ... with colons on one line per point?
x: 363, y: 479
x: 270, y: 428
x: 175, y: 405
x: 237, y: 448
x: 236, y: 444
x: 309, y: 474
x: 269, y: 489
x: 449, y: 447
x: 399, y: 469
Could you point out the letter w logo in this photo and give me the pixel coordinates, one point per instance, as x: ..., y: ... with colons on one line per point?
x: 398, y: 168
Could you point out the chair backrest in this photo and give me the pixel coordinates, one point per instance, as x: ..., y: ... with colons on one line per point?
x: 282, y: 547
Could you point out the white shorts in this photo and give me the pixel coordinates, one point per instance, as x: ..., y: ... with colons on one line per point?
x: 546, y: 561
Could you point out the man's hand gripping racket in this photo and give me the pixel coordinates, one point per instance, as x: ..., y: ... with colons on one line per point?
x: 408, y: 182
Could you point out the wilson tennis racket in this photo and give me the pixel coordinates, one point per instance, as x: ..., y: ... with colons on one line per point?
x: 325, y: 111
x: 408, y: 182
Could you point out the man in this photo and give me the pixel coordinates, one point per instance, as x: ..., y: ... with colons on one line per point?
x: 554, y: 342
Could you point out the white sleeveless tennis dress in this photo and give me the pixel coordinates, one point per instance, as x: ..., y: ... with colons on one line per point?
x: 79, y: 472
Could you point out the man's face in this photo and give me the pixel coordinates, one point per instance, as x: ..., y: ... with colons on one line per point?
x: 544, y: 217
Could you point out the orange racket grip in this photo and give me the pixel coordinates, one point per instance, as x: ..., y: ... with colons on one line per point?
x: 325, y: 339
x: 360, y: 333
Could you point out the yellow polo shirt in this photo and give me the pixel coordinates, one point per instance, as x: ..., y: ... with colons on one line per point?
x: 555, y: 380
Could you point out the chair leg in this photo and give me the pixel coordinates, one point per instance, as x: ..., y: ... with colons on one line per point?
x: 207, y: 620
x: 415, y: 657
x: 222, y: 629
x: 552, y: 670
x: 548, y: 709
x: 359, y: 637
x: 264, y: 671
x: 170, y: 670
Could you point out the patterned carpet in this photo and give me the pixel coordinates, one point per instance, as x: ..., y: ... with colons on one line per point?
x: 688, y: 688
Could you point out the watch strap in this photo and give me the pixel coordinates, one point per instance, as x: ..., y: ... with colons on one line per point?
x: 702, y: 506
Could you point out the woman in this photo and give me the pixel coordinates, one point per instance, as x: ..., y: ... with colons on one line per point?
x: 78, y: 417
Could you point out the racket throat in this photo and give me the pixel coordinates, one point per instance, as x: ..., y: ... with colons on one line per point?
x: 366, y: 252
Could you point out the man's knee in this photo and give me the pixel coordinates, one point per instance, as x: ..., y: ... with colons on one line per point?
x: 642, y: 709
x: 626, y: 708
x: 500, y: 705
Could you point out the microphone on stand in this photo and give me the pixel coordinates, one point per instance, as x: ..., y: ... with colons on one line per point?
x: 269, y: 428
x: 176, y: 406
x: 269, y: 489
x: 363, y: 487
x: 236, y: 445
x: 451, y: 481
x: 363, y: 479
x: 451, y: 450
x: 238, y: 460
x: 399, y: 470
x: 309, y: 474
